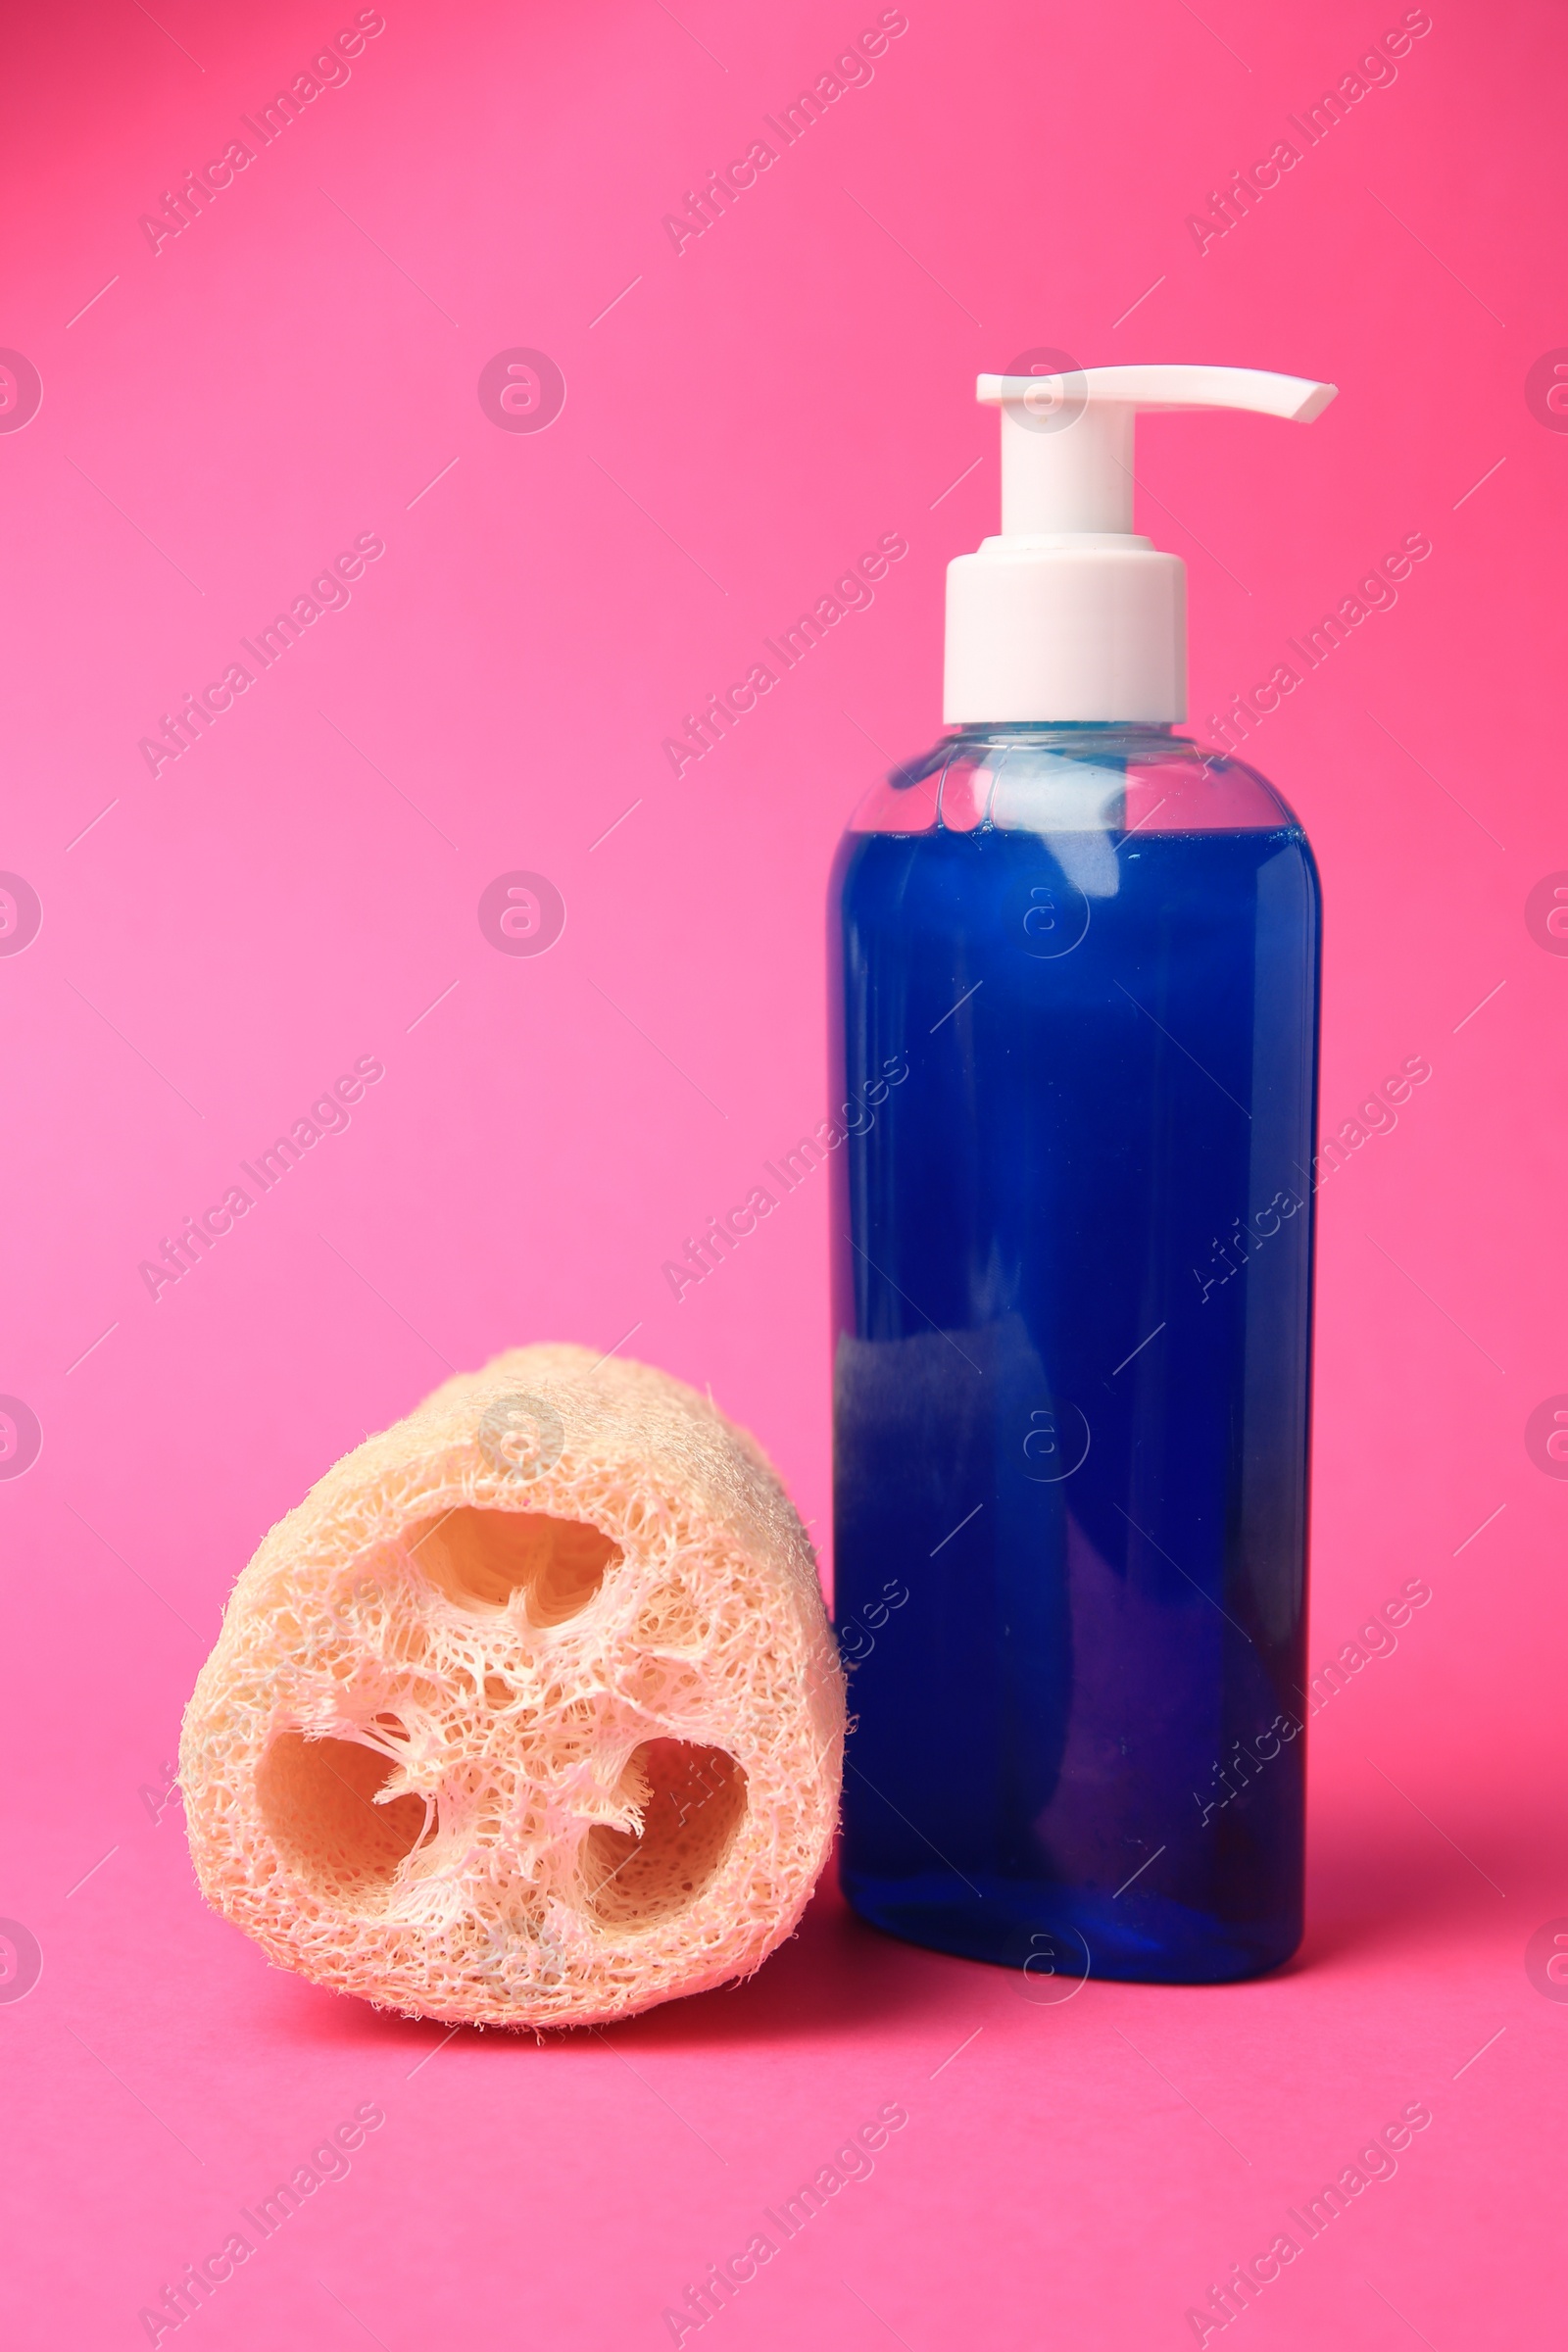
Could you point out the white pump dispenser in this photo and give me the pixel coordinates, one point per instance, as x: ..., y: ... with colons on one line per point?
x: 1071, y: 615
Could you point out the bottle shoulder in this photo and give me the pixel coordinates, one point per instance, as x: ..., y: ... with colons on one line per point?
x: 1066, y: 779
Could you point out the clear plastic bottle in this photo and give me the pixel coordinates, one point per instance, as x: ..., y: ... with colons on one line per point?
x: 1074, y: 975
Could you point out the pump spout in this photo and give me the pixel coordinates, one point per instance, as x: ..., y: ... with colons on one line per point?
x: 1068, y: 613
x: 1067, y: 440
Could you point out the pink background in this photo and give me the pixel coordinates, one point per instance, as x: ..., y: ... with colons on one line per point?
x: 299, y: 367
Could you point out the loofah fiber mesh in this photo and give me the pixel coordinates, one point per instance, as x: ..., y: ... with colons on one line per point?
x: 529, y: 1714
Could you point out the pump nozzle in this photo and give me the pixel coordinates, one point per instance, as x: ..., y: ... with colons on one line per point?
x: 1069, y: 615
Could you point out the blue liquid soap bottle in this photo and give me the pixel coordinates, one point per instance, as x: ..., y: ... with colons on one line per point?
x: 1074, y: 970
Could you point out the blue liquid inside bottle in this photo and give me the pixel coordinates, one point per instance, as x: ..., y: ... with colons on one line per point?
x: 1076, y: 979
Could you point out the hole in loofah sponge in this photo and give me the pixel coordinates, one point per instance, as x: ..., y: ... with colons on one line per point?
x: 480, y: 1558
x: 316, y: 1799
x: 695, y: 1801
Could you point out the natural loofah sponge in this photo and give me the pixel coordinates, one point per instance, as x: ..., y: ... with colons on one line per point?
x: 529, y: 1714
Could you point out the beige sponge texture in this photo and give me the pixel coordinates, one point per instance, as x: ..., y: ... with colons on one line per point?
x: 529, y: 1714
